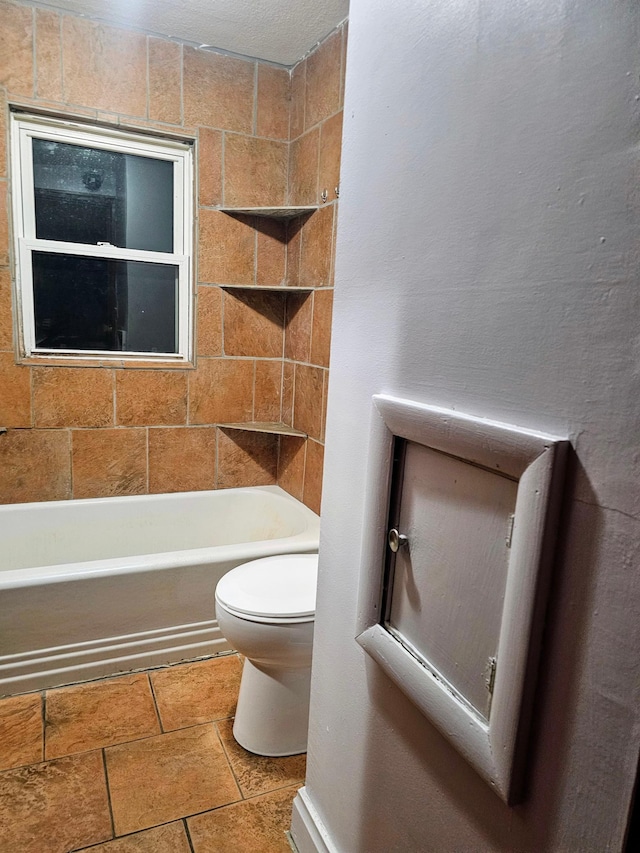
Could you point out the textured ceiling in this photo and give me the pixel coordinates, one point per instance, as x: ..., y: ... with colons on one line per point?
x: 280, y: 31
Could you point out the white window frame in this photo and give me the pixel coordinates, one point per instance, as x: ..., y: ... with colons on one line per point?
x: 24, y: 128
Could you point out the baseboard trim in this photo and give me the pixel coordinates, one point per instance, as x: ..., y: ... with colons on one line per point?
x: 308, y: 832
x: 44, y: 668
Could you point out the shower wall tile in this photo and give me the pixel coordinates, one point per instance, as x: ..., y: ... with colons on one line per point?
x: 21, y: 731
x: 325, y: 398
x: 210, y: 166
x: 298, y: 327
x: 209, y: 321
x: 48, y: 55
x: 104, y: 67
x: 6, y: 312
x: 272, y: 119
x: 221, y: 391
x: 323, y: 87
x: 313, y: 475
x: 218, y: 90
x: 343, y: 68
x: 165, y: 80
x: 291, y: 465
x: 35, y: 465
x: 3, y: 128
x: 15, y: 394
x: 262, y: 135
x: 109, y: 462
x: 271, y: 252
x: 294, y: 233
x: 303, y: 169
x: 255, y: 171
x: 288, y: 388
x: 16, y: 48
x: 4, y: 225
x: 246, y: 459
x: 307, y: 406
x: 321, y: 334
x: 227, y: 249
x: 182, y: 459
x: 330, y: 150
x: 253, y: 324
x: 268, y: 391
x: 72, y: 397
x: 316, y: 249
x: 298, y: 95
x: 145, y: 397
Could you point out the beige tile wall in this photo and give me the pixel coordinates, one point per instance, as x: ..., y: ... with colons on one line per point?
x: 264, y: 137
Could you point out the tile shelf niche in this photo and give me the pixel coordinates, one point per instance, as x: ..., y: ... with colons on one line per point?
x: 273, y: 427
x: 283, y: 214
x: 268, y: 288
x: 286, y: 212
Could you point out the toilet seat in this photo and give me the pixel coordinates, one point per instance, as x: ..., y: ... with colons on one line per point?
x: 281, y: 588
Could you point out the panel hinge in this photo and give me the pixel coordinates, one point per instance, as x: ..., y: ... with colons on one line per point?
x: 491, y: 674
x: 509, y: 536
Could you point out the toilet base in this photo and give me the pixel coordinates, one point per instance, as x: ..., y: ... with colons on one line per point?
x: 272, y: 716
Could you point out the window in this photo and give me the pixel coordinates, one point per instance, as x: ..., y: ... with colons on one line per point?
x: 102, y: 223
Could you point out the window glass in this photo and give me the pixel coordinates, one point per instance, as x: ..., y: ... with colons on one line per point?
x: 85, y: 303
x: 90, y: 195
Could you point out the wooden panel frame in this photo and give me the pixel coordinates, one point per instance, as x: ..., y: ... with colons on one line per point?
x: 536, y: 461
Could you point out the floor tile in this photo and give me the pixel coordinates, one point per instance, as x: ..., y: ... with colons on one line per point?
x: 170, y: 838
x: 20, y: 730
x: 55, y: 806
x: 252, y: 826
x: 199, y: 692
x: 163, y: 778
x: 101, y: 713
x: 257, y: 774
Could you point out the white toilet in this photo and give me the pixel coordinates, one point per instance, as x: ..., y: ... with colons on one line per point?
x: 266, y: 610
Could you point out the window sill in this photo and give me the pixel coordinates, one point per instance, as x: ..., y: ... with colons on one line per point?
x: 104, y: 361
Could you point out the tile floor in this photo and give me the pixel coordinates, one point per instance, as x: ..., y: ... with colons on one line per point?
x: 141, y: 763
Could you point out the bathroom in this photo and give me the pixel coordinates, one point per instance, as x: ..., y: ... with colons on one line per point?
x: 485, y: 263
x: 116, y: 428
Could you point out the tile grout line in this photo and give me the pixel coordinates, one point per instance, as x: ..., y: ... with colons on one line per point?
x: 226, y: 755
x: 106, y: 780
x: 188, y: 834
x: 43, y: 716
x: 155, y: 703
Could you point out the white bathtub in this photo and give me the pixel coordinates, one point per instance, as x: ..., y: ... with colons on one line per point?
x: 94, y: 587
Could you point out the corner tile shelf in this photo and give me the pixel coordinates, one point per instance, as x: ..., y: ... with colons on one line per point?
x: 269, y: 288
x: 273, y: 427
x: 286, y: 212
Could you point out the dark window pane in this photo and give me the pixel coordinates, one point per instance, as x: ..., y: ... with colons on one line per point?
x: 87, y: 195
x: 97, y: 304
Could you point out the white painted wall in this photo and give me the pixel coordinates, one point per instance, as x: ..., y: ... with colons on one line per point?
x: 488, y: 260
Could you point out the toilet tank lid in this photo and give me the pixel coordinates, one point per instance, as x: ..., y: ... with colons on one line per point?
x: 280, y: 586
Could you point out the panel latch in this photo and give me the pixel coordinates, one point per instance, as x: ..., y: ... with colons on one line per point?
x: 396, y: 539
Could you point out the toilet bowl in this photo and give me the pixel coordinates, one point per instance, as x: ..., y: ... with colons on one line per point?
x: 266, y: 610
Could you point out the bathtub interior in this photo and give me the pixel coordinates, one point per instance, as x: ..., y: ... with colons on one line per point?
x: 67, y: 532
